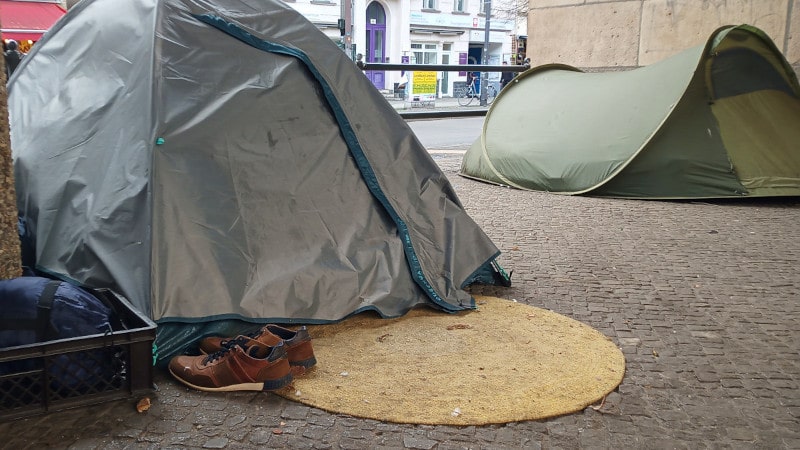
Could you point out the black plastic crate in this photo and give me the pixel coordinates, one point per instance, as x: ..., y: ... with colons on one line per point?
x: 68, y: 373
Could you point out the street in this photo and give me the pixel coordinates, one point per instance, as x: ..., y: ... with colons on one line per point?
x: 455, y: 135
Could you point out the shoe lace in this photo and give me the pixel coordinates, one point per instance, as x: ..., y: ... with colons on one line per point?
x: 227, y: 346
x: 233, y: 341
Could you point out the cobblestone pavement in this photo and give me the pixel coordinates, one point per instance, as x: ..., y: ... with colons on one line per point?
x: 702, y: 298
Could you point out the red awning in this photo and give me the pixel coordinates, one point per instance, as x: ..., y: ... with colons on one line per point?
x: 21, y: 20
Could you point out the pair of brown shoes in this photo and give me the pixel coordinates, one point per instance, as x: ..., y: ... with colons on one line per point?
x: 266, y: 360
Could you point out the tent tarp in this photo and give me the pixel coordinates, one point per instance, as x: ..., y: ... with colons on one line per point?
x: 713, y: 121
x: 218, y: 160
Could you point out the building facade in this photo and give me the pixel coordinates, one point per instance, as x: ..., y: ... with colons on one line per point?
x: 417, y: 32
x: 625, y: 34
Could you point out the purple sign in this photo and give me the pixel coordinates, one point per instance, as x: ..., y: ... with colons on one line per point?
x: 462, y: 59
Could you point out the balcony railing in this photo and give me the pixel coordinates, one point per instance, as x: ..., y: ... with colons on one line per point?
x: 471, y: 112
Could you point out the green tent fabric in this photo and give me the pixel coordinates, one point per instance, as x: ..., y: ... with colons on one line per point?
x: 223, y: 164
x: 714, y: 121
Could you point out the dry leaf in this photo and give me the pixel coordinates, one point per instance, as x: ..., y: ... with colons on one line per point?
x: 143, y: 405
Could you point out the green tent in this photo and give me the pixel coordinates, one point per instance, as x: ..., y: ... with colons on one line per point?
x: 719, y: 120
x: 222, y: 164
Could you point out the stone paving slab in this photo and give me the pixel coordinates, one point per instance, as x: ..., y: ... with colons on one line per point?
x: 702, y: 298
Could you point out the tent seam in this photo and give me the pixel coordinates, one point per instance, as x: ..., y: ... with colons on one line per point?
x: 349, y: 135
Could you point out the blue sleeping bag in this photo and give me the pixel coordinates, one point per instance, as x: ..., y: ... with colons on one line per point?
x: 36, y: 309
x: 70, y: 311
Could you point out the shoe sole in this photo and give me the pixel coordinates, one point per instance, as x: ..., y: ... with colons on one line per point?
x: 306, y: 363
x: 269, y: 385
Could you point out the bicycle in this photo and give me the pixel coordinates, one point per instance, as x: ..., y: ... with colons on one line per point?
x: 467, y: 94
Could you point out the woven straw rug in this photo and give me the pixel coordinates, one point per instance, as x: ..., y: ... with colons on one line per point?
x: 504, y: 362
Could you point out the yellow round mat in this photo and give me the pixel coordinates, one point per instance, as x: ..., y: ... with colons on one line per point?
x: 504, y: 362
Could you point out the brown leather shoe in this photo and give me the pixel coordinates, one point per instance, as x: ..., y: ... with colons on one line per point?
x: 243, y: 365
x: 298, y: 344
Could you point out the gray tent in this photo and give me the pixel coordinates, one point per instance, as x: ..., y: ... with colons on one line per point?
x: 716, y: 120
x: 218, y: 160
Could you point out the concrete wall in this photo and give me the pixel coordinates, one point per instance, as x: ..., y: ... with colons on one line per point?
x: 617, y: 34
x: 10, y: 259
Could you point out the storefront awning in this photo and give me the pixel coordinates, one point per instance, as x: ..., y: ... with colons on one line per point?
x: 443, y: 32
x: 21, y: 20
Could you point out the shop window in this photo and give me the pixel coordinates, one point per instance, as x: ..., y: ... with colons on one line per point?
x: 425, y: 53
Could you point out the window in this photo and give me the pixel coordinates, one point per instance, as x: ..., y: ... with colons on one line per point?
x: 483, y: 6
x: 460, y: 5
x: 375, y: 14
x: 424, y: 53
x: 429, y: 4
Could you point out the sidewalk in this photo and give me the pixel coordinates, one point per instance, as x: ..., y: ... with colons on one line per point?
x: 440, y: 104
x: 703, y: 298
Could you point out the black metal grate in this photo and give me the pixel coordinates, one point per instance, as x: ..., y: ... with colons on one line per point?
x: 65, y: 376
x: 62, y: 374
x: 20, y: 389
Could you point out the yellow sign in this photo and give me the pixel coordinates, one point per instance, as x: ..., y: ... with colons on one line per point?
x: 423, y: 83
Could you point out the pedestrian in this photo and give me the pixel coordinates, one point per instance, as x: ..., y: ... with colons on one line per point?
x: 12, y: 56
x: 506, y: 77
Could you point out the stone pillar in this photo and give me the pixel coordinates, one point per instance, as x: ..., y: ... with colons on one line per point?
x: 602, y: 35
x: 10, y: 259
